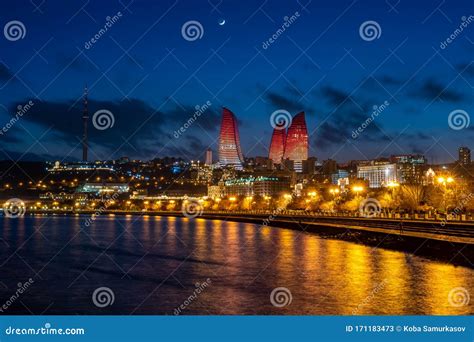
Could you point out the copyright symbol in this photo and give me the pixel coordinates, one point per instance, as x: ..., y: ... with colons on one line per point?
x: 398, y: 328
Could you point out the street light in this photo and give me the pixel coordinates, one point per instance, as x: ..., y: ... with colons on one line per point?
x: 357, y: 189
x: 445, y: 182
x: 393, y: 184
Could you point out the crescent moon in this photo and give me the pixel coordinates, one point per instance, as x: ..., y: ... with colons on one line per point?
x: 222, y: 22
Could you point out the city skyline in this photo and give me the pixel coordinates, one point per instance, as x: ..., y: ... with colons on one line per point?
x: 278, y: 148
x: 336, y: 77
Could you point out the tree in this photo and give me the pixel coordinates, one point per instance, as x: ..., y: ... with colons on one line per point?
x: 389, y: 200
x: 411, y: 196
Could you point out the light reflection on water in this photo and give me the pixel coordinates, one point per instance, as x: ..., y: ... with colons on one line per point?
x: 153, y: 263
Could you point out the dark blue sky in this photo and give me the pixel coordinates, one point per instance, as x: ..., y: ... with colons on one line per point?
x: 151, y: 78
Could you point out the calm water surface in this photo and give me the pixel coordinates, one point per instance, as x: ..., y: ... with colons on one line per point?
x: 153, y: 264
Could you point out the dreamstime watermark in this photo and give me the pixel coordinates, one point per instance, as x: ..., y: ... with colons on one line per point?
x: 21, y: 110
x: 110, y: 21
x: 288, y: 21
x: 370, y: 30
x: 110, y: 200
x: 370, y: 297
x: 14, y: 30
x: 459, y: 296
x: 465, y: 21
x: 458, y: 119
x: 103, y: 119
x: 370, y: 207
x: 46, y: 330
x: 191, y: 208
x: 200, y: 287
x: 280, y: 119
x: 458, y: 209
x: 19, y: 291
x: 199, y: 110
x: 103, y: 296
x: 280, y: 297
x: 377, y: 110
x: 14, y: 207
x: 192, y: 30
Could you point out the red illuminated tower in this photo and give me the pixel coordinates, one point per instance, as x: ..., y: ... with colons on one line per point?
x: 296, y: 147
x: 229, y: 141
x: 277, y: 145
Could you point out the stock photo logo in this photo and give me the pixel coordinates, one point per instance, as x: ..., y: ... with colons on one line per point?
x: 370, y: 30
x: 192, y: 30
x: 14, y: 30
x: 459, y: 119
x: 370, y: 207
x: 103, y: 297
x: 14, y: 207
x: 281, y: 297
x: 192, y: 208
x: 459, y: 296
x: 103, y: 119
x: 280, y: 119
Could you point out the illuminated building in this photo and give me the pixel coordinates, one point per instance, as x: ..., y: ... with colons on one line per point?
x: 410, y: 167
x: 76, y: 168
x: 100, y: 188
x: 208, y: 157
x: 310, y: 165
x: 378, y: 174
x: 277, y: 145
x: 328, y: 168
x: 229, y: 141
x: 256, y: 186
x: 296, y: 147
x: 214, y: 191
x: 464, y: 156
x: 338, y: 175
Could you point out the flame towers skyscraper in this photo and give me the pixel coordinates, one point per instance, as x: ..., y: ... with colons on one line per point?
x: 296, y: 147
x: 230, y: 152
x: 277, y: 145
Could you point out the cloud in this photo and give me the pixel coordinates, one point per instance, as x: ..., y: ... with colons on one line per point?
x: 139, y: 130
x: 5, y: 74
x: 334, y: 96
x: 339, y: 127
x: 431, y: 90
x: 195, y: 147
x: 282, y: 102
x: 180, y: 115
x: 466, y: 69
x: 290, y: 100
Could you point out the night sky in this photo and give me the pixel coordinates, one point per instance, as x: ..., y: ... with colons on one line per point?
x: 151, y: 79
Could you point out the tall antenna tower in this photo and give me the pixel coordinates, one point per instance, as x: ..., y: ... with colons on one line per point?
x: 85, y: 119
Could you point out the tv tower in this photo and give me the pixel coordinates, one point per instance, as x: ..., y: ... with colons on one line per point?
x: 85, y: 119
